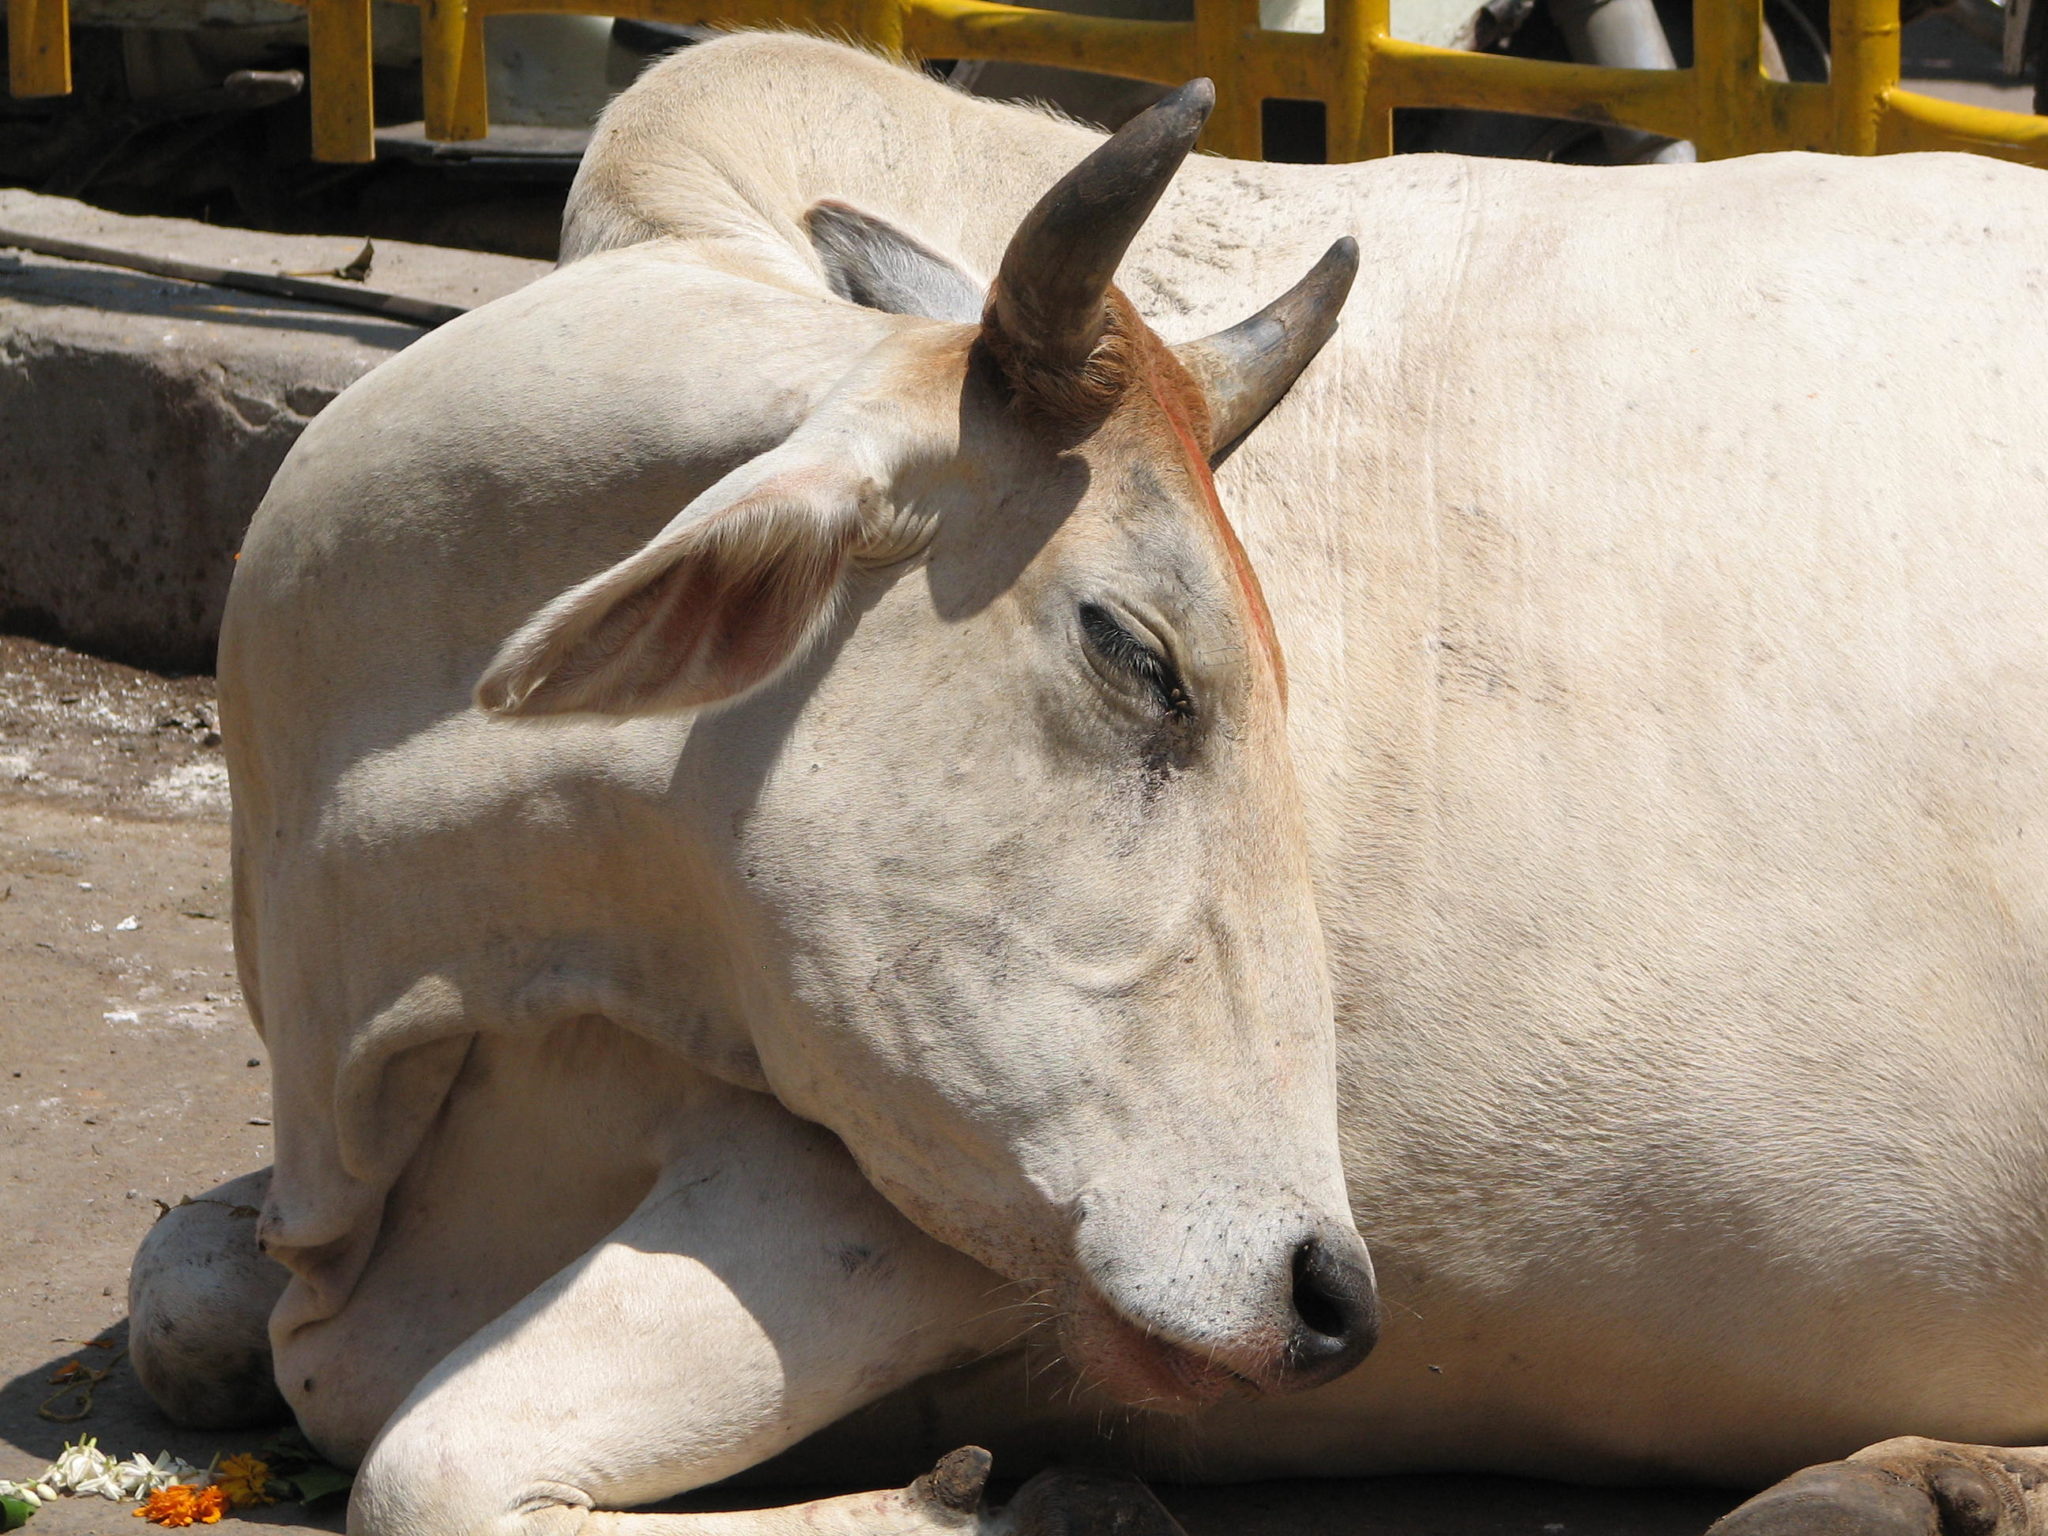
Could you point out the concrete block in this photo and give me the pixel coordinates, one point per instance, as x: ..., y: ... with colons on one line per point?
x: 141, y: 418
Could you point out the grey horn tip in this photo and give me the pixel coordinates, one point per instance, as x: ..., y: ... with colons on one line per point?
x: 1245, y: 370
x: 1339, y: 265
x: 1197, y: 95
x: 1185, y: 108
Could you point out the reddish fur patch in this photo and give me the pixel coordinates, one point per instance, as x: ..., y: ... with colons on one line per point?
x: 1175, y: 396
x: 1073, y: 402
x: 1070, y: 400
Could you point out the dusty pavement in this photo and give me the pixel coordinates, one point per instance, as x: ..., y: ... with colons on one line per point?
x: 129, y: 1075
x: 128, y: 1071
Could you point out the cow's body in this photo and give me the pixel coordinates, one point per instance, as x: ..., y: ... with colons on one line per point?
x: 1660, y: 565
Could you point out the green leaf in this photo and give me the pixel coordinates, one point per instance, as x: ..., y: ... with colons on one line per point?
x: 319, y: 1482
x: 14, y: 1513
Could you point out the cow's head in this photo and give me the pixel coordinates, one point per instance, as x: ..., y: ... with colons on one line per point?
x: 1000, y: 769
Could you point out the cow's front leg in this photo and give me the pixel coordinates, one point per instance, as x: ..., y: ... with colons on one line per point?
x: 1905, y: 1487
x: 760, y: 1291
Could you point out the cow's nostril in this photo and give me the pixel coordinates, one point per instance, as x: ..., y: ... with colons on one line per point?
x: 1336, y: 1311
x: 1318, y: 1310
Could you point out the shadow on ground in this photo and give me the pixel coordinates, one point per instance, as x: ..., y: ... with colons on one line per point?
x: 120, y: 1415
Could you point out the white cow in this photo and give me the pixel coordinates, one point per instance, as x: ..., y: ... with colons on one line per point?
x: 1658, y: 572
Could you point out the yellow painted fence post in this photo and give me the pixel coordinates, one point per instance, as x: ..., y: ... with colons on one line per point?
x: 1227, y: 38
x: 1360, y: 127
x: 39, y: 47
x: 344, y: 121
x: 1864, y: 70
x: 452, y: 70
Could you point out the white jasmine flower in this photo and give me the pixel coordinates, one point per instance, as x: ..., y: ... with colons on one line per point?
x: 89, y: 1472
x: 81, y: 1463
x: 107, y: 1485
x: 141, y: 1477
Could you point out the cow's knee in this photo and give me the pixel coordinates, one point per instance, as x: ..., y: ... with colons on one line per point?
x: 199, y: 1300
x: 425, y: 1478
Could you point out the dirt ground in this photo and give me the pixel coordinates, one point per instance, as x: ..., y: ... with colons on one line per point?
x: 129, y: 1075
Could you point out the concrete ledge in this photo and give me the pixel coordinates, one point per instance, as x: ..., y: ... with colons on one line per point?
x: 142, y: 418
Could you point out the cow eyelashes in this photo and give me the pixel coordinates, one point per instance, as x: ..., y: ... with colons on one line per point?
x: 1132, y: 656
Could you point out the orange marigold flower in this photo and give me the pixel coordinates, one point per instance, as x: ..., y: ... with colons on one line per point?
x: 245, y: 1480
x: 182, y: 1504
x: 175, y: 1505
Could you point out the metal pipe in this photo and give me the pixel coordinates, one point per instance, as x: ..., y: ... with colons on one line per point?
x: 394, y: 306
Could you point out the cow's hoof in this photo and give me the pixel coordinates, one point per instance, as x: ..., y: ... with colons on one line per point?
x: 953, y: 1488
x: 1837, y: 1499
x: 1076, y: 1503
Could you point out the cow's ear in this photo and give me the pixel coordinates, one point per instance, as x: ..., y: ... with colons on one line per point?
x: 718, y: 603
x: 871, y: 262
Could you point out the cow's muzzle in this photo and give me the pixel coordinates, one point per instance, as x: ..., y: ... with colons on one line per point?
x: 1310, y: 1314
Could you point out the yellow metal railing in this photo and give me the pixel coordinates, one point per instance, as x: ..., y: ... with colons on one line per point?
x: 1360, y: 72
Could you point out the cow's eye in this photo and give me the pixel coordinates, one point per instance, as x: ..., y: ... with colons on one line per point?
x: 1146, y: 664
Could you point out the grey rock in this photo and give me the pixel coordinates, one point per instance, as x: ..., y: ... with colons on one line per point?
x: 142, y: 418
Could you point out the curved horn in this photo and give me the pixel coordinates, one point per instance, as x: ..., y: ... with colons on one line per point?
x: 1047, y: 298
x: 1245, y: 370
